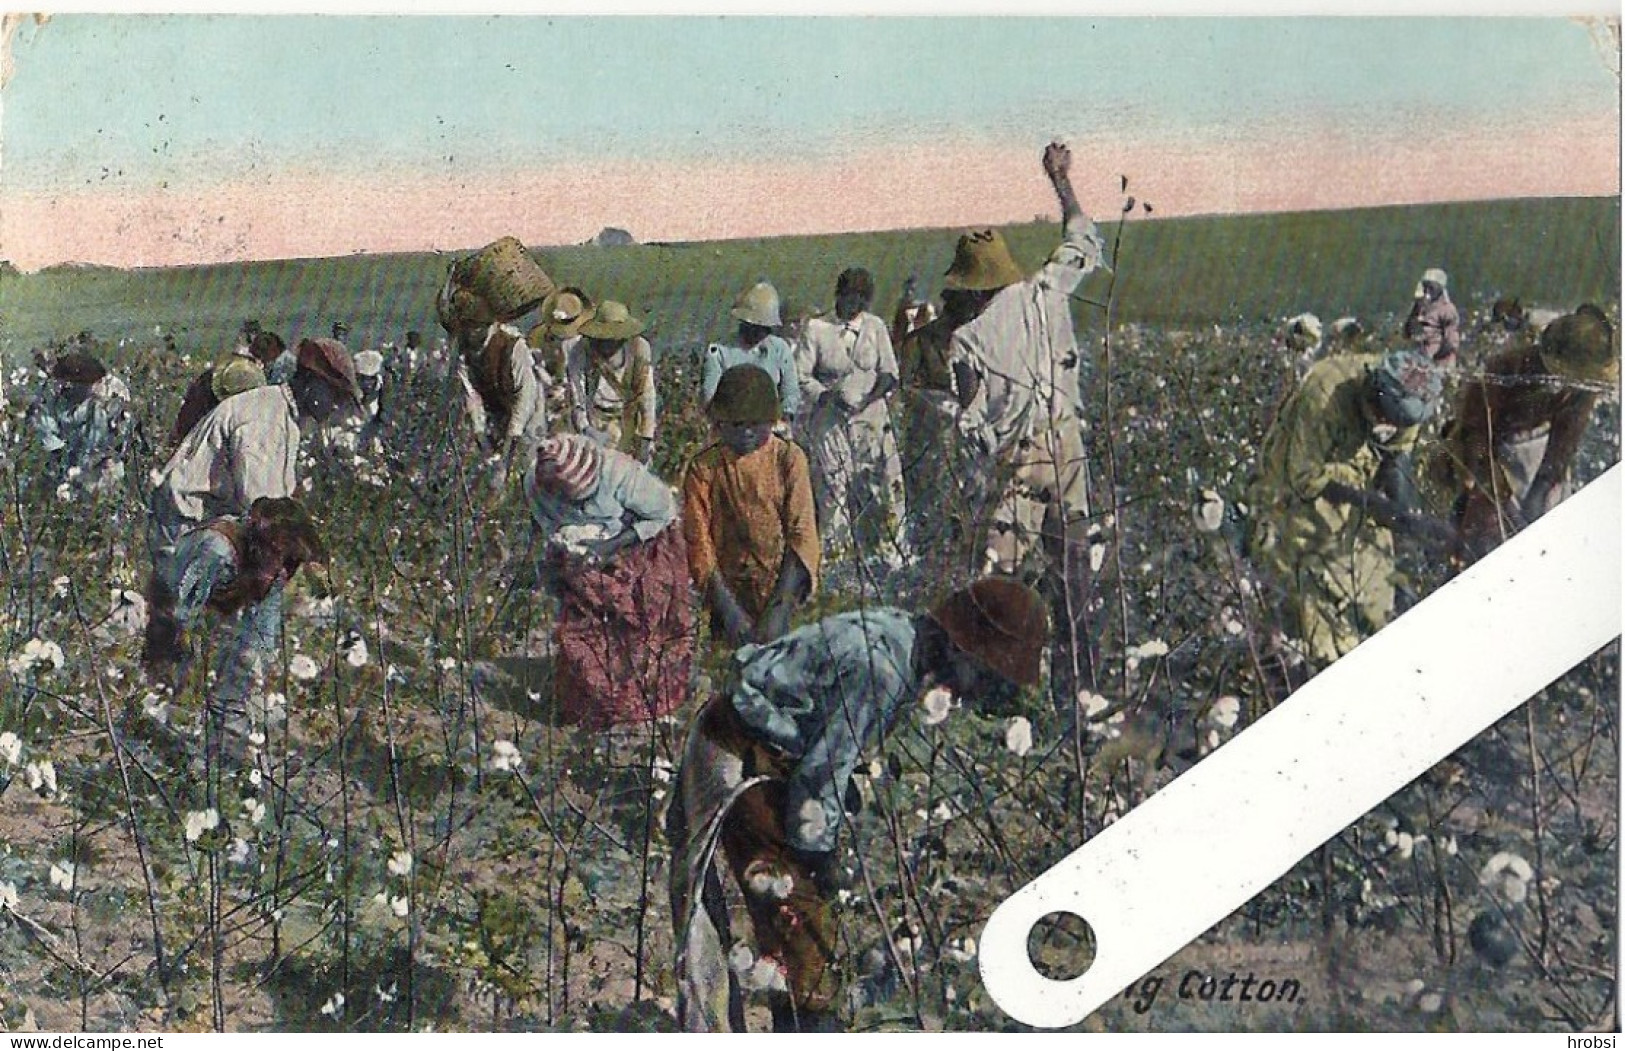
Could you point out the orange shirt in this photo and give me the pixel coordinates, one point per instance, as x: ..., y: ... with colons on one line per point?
x: 741, y: 513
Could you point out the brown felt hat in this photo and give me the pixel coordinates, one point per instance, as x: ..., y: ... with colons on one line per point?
x: 982, y: 263
x: 328, y: 359
x: 745, y: 394
x: 1580, y: 346
x: 78, y: 367
x: 1001, y: 623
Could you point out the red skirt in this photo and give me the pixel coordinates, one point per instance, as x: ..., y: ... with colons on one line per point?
x: 625, y: 636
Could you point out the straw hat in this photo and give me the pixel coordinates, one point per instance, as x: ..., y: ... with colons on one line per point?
x: 369, y: 363
x: 758, y: 305
x: 745, y: 394
x: 235, y: 375
x: 611, y: 320
x: 1580, y: 346
x: 982, y: 263
x: 1303, y: 331
x: 1432, y: 275
x: 1001, y: 623
x: 564, y: 311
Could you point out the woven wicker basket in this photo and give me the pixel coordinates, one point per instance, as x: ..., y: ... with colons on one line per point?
x: 506, y: 277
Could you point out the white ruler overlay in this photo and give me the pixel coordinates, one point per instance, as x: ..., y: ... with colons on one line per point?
x: 1357, y: 733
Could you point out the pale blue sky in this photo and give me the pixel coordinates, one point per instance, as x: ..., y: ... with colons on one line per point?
x: 178, y: 98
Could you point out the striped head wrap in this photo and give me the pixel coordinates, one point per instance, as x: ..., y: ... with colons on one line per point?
x: 568, y: 465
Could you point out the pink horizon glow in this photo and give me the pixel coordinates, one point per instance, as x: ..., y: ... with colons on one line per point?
x: 304, y: 215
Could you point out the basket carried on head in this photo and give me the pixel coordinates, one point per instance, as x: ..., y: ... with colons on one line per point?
x: 498, y: 283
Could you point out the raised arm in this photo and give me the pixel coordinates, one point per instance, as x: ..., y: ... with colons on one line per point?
x: 1058, y: 166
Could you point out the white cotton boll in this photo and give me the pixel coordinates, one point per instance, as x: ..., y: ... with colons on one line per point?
x: 1234, y: 627
x: 237, y: 854
x: 400, y: 906
x: 1153, y: 648
x: 11, y: 748
x: 1430, y: 1003
x: 64, y: 493
x: 505, y: 756
x: 936, y: 705
x: 1209, y: 513
x: 63, y: 875
x: 334, y: 1005
x: 448, y: 664
x: 1391, y: 838
x: 1225, y: 712
x: 812, y: 822
x: 1405, y: 844
x: 1507, y: 876
x: 254, y: 810
x: 767, y: 976
x: 962, y: 950
x: 661, y: 770
x: 42, y: 777
x: 303, y: 668
x: 764, y: 883
x: 741, y: 959
x: 8, y: 896
x: 355, y: 653
x: 60, y: 587
x: 942, y: 812
x: 1213, y: 739
x: 199, y: 822
x: 1092, y: 703
x: 155, y: 707
x: 1097, y: 557
x: 1018, y: 736
x: 400, y: 863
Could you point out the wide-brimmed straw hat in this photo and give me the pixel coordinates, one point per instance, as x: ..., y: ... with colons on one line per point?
x: 982, y: 263
x: 611, y: 320
x: 564, y: 311
x: 1001, y: 623
x: 758, y: 305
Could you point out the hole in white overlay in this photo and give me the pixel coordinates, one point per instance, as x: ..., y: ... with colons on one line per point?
x: 1061, y: 946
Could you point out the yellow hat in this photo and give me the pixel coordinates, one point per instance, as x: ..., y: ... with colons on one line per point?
x: 758, y: 305
x: 612, y: 321
x: 234, y: 375
x: 1580, y: 346
x: 982, y: 263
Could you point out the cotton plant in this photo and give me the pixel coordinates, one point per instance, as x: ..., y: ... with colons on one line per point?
x: 37, y: 655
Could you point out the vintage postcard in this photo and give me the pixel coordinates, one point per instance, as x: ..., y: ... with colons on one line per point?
x: 547, y: 522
